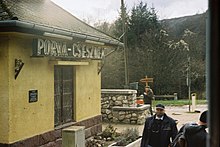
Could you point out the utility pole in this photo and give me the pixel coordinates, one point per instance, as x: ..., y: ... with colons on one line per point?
x: 189, y: 80
x: 124, y: 29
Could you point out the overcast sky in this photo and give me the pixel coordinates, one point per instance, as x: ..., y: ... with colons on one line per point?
x: 108, y: 10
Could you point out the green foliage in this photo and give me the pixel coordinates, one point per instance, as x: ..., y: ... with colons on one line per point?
x: 109, y: 132
x: 127, y: 136
x: 158, y: 49
x: 142, y: 29
x: 103, y: 139
x: 192, y: 29
x: 143, y: 20
x: 113, y: 70
x: 95, y: 143
x: 177, y: 102
x: 118, y: 24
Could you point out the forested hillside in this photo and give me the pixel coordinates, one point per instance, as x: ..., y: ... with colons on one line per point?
x: 168, y: 51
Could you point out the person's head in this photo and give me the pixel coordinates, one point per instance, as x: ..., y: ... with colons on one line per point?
x: 203, y: 118
x: 147, y: 88
x: 160, y: 110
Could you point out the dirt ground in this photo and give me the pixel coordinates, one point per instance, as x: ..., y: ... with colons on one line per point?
x: 180, y: 113
x: 183, y: 115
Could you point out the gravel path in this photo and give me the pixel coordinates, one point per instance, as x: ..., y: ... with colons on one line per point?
x: 183, y: 115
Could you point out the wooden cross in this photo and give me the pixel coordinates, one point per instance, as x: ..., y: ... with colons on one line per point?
x: 146, y: 80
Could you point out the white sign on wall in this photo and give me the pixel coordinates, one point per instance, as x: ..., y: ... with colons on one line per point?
x: 46, y: 47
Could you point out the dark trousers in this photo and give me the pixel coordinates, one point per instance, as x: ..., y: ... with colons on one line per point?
x: 151, y: 111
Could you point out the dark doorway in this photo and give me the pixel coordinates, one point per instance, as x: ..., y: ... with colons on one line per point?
x: 63, y: 94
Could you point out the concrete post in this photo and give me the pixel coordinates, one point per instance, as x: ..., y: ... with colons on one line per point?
x: 193, y: 95
x: 73, y: 136
x: 175, y: 96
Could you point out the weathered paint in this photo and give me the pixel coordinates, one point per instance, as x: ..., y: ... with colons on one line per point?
x: 24, y: 119
x: 20, y: 119
x: 88, y: 91
x: 4, y: 90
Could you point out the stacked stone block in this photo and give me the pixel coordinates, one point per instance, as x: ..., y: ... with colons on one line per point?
x: 118, y: 106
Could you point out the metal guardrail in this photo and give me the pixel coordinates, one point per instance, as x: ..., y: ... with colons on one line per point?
x: 161, y: 97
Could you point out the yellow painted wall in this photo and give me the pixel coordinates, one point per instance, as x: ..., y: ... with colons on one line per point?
x: 88, y: 91
x: 4, y: 91
x: 20, y: 119
x: 28, y: 119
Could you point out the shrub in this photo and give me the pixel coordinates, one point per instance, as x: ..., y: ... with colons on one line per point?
x: 127, y: 136
x: 109, y: 132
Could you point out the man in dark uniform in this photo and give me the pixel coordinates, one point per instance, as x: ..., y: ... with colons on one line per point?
x: 148, y: 97
x: 159, y: 129
x: 195, y: 133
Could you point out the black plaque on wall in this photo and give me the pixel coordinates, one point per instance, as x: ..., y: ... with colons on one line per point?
x: 33, y: 96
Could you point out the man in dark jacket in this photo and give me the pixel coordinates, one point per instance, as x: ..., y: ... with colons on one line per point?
x: 148, y: 97
x: 158, y: 129
x: 192, y: 134
x: 196, y: 134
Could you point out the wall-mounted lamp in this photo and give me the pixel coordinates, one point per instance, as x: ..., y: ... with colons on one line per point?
x: 18, y: 66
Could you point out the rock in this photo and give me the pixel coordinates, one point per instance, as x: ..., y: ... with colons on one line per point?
x: 121, y: 117
x: 134, y: 118
x: 133, y: 122
x: 120, y: 98
x: 115, y: 120
x: 109, y: 139
x: 118, y: 103
x: 105, y: 106
x: 121, y: 113
x: 114, y: 98
x: 125, y: 101
x: 134, y: 115
x: 108, y: 111
x: 110, y: 116
x: 126, y: 121
x: 128, y: 116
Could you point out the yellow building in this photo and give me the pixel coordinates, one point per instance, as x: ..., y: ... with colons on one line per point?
x: 49, y: 73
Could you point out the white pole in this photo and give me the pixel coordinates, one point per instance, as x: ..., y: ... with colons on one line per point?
x: 193, y: 102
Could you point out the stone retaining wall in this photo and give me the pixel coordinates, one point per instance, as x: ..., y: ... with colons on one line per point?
x: 118, y: 106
